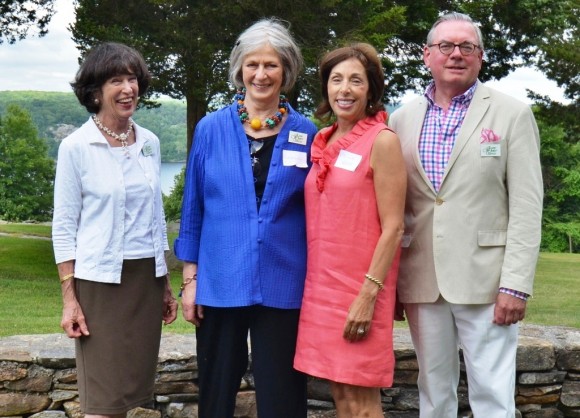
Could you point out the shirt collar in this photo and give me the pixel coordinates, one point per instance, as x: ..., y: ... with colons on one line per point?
x: 96, y: 136
x: 464, y: 98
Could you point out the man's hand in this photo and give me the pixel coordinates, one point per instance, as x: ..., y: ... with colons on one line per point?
x: 508, y: 309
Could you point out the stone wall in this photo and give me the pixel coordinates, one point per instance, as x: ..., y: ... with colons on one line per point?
x: 38, y: 379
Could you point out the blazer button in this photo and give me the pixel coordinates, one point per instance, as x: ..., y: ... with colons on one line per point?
x: 439, y: 201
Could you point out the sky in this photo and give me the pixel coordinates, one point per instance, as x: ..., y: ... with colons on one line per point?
x: 50, y: 64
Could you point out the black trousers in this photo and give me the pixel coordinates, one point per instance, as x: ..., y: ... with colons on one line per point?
x: 222, y: 358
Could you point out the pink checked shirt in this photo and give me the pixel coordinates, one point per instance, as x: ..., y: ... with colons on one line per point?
x: 440, y: 131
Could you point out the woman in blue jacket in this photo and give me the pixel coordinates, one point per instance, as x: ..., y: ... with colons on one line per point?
x: 242, y: 236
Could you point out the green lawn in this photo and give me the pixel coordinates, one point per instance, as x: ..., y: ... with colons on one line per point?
x: 39, y: 230
x: 30, y: 301
x: 556, y: 291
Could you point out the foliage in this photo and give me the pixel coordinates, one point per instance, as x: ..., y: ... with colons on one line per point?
x: 167, y: 121
x: 17, y: 17
x: 26, y: 172
x: 172, y: 203
x: 187, y: 43
x: 560, y: 156
x: 58, y: 114
x: 559, y: 46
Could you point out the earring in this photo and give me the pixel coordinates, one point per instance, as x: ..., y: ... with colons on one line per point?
x: 96, y: 101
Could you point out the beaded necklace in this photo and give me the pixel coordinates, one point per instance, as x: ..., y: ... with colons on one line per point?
x: 122, y: 138
x: 256, y: 123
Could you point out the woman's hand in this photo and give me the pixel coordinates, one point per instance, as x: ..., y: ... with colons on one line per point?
x: 73, y: 320
x: 191, y: 312
x: 169, y: 303
x: 360, y: 313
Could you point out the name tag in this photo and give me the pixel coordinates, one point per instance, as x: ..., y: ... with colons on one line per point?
x: 348, y: 160
x: 147, y: 150
x: 294, y: 159
x: 299, y: 138
x: 490, y: 150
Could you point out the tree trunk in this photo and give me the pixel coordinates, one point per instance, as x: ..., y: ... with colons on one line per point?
x: 196, y: 109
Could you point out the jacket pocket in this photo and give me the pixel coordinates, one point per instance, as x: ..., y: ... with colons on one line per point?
x: 492, y: 238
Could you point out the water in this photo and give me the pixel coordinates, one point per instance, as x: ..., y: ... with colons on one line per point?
x: 168, y: 173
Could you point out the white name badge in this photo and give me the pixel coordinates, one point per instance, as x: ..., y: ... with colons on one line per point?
x: 294, y: 159
x: 490, y: 150
x: 348, y: 160
x: 297, y: 138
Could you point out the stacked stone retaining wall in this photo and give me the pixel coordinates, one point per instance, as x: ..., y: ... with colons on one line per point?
x: 38, y: 379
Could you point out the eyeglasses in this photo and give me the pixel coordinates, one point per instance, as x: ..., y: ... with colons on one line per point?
x: 447, y: 48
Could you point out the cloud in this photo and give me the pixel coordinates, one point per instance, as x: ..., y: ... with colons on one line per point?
x: 48, y: 63
x: 521, y: 79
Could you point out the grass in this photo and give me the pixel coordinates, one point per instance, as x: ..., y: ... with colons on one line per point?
x: 37, y: 230
x: 556, y: 291
x: 30, y: 300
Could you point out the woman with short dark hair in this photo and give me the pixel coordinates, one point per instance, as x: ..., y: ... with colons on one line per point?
x: 109, y: 237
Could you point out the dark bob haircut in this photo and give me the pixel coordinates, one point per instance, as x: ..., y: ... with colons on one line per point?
x: 369, y: 58
x: 104, y: 61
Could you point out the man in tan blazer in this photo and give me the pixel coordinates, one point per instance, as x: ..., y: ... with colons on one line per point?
x: 472, y: 225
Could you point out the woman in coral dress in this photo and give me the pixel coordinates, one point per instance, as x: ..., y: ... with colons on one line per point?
x: 355, y: 196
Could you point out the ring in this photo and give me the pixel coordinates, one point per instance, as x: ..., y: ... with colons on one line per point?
x: 361, y: 331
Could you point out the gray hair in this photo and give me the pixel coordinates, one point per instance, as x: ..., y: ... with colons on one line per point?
x: 273, y: 32
x: 454, y: 16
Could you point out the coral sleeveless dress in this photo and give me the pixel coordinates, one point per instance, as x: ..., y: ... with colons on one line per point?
x: 342, y: 230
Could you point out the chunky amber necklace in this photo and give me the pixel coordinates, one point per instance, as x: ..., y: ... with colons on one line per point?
x: 256, y: 123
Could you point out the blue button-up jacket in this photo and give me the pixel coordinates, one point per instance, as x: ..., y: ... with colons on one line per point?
x: 245, y: 256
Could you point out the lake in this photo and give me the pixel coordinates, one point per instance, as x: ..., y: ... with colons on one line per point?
x: 168, y: 173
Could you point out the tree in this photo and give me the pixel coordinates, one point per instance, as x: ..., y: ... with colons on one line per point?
x: 26, y: 172
x: 559, y: 48
x: 560, y: 156
x: 187, y: 42
x: 172, y: 203
x: 18, y: 17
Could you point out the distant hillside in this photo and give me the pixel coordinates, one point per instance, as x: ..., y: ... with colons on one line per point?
x: 58, y: 114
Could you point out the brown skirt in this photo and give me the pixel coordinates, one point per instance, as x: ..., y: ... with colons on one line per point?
x: 117, y: 362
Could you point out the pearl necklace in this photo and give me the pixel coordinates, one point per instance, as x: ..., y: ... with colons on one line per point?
x: 122, y: 138
x: 256, y: 123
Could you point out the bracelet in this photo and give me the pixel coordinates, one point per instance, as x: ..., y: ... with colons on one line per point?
x: 374, y: 280
x: 187, y: 281
x: 66, y: 277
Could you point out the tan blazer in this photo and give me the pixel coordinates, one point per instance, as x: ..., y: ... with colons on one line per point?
x: 482, y: 230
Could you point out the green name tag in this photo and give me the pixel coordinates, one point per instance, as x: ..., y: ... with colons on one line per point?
x: 490, y: 150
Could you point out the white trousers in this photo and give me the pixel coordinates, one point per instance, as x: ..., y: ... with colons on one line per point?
x: 489, y: 351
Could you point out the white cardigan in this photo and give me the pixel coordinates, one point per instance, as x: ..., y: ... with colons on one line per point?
x: 89, y: 204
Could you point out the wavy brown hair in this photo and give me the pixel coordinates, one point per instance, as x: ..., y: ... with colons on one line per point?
x: 369, y: 58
